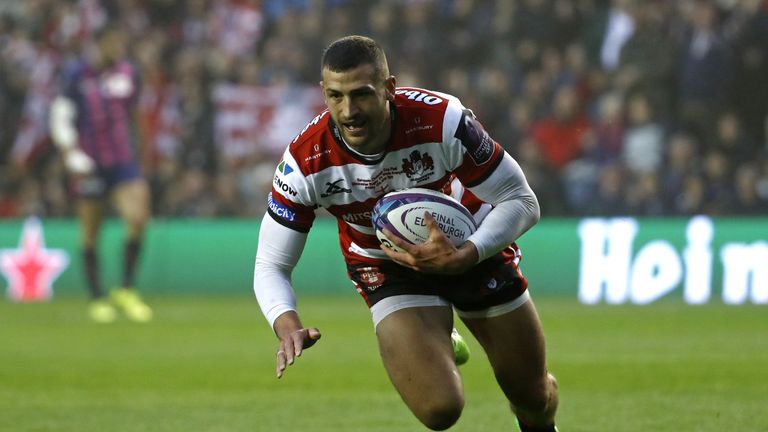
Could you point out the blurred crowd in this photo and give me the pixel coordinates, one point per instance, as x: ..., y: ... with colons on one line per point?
x: 641, y: 107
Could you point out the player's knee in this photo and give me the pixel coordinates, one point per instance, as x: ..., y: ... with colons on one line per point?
x: 440, y: 414
x: 537, y: 398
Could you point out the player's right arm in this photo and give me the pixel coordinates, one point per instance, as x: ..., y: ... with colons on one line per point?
x: 62, y: 118
x: 278, y: 252
x: 282, y: 236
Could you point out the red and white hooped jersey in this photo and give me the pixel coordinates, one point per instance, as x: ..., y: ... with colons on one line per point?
x: 435, y: 140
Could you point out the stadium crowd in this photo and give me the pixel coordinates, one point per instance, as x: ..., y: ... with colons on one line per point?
x: 652, y: 108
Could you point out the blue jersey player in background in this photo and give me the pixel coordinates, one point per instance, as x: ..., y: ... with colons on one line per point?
x: 92, y: 124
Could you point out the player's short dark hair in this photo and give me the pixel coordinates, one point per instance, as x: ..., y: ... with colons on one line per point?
x: 350, y: 52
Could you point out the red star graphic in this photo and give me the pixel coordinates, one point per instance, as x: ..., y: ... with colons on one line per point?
x: 31, y: 269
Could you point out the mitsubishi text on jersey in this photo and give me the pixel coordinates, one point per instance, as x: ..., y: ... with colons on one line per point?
x: 434, y: 140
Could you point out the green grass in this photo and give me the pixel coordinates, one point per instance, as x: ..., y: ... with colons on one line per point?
x: 206, y: 364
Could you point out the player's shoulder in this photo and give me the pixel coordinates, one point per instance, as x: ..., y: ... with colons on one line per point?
x: 428, y: 102
x: 421, y: 106
x: 312, y: 141
x: 314, y: 130
x: 420, y: 98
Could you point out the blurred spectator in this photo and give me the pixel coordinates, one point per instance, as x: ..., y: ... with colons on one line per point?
x: 643, y: 140
x: 681, y: 163
x: 704, y: 70
x: 731, y: 138
x: 646, y: 60
x: 719, y: 192
x: 747, y: 198
x: 581, y: 92
x: 561, y: 135
x: 542, y: 177
x: 609, y: 199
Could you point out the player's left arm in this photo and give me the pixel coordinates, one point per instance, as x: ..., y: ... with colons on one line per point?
x: 515, y: 210
x: 483, y: 166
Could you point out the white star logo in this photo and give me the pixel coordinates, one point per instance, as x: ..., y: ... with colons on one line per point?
x: 31, y: 269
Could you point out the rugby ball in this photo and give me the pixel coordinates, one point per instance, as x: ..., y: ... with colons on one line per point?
x: 402, y: 213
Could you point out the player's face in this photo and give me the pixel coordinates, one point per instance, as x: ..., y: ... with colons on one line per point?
x: 358, y: 101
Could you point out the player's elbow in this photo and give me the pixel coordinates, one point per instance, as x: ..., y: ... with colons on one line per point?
x: 534, y: 210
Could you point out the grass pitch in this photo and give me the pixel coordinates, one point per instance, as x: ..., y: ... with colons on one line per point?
x: 207, y: 364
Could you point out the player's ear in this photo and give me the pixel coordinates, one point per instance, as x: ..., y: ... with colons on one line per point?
x: 390, y: 84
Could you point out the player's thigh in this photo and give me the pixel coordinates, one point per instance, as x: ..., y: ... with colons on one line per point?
x: 415, y: 346
x: 514, y: 343
x: 131, y: 200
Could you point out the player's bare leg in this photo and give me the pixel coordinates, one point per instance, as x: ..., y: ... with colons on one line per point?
x: 131, y: 199
x: 415, y: 346
x: 89, y: 212
x: 89, y: 215
x: 514, y: 343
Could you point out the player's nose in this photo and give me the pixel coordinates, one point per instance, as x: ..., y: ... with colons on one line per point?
x: 349, y: 109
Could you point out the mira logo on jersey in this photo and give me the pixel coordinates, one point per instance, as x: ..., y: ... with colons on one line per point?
x: 280, y: 210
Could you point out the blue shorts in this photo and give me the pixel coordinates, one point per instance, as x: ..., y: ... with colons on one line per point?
x: 101, y: 182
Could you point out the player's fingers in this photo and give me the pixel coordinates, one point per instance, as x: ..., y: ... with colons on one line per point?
x: 402, y: 258
x: 313, y: 335
x: 397, y: 241
x: 435, y: 233
x: 298, y: 339
x: 280, y: 362
x: 289, y: 348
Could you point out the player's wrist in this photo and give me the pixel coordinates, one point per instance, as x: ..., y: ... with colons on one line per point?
x: 287, y: 323
x: 467, y: 256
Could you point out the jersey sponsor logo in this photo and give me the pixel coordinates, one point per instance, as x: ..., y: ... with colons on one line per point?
x: 418, y: 129
x: 379, y: 182
x: 334, y: 188
x: 284, y: 168
x: 418, y: 166
x: 475, y: 139
x: 317, y: 155
x: 420, y: 96
x: 283, y: 186
x: 357, y: 217
x: 369, y: 278
x: 280, y: 210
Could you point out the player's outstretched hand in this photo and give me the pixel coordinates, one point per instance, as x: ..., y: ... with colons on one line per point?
x: 78, y: 163
x: 436, y: 255
x: 292, y: 344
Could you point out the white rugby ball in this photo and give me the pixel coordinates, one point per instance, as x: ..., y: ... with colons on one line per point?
x: 402, y: 213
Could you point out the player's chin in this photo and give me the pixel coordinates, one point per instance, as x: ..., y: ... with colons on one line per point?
x: 357, y: 140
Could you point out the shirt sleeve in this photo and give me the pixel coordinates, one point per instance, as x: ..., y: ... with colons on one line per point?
x: 493, y: 176
x: 291, y: 202
x: 476, y: 153
x: 515, y: 210
x: 279, y: 249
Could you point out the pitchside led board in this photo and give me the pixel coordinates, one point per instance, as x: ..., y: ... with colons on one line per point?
x: 596, y: 261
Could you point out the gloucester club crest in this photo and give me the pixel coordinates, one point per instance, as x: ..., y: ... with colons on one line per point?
x: 418, y: 166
